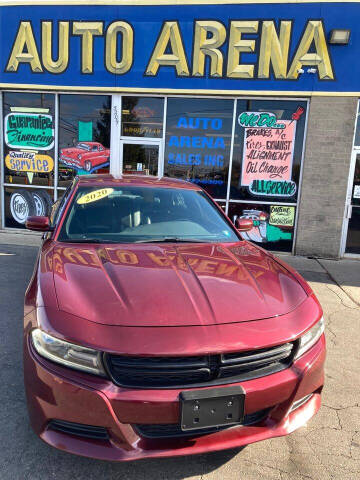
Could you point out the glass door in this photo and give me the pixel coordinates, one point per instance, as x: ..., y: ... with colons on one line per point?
x: 353, y: 210
x: 141, y: 157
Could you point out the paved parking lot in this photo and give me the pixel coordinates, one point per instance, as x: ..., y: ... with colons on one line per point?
x: 328, y: 448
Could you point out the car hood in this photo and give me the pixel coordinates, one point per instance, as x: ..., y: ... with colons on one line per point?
x: 172, y: 284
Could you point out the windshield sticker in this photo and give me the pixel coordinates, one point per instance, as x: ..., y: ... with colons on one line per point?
x: 94, y: 196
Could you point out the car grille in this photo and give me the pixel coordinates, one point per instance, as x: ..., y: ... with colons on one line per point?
x: 169, y: 430
x: 180, y: 372
x: 79, y: 429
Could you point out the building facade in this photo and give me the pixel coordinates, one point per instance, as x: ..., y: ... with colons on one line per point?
x: 255, y: 101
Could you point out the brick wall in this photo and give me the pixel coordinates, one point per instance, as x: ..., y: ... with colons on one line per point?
x: 325, y: 175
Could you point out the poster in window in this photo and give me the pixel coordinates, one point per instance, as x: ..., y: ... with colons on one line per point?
x: 268, y: 154
x: 84, y: 135
x: 273, y: 225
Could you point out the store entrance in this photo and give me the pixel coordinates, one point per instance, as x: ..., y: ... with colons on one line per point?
x: 141, y: 157
x: 353, y: 209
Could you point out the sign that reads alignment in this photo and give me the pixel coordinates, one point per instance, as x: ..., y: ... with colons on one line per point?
x: 29, y: 130
x: 268, y: 152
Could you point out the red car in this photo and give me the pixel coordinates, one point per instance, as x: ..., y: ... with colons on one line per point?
x: 152, y: 329
x: 86, y: 156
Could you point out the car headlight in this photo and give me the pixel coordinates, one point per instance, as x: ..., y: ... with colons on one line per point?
x: 67, y: 354
x: 311, y: 337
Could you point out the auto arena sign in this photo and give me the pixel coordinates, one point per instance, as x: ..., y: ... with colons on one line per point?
x: 182, y: 46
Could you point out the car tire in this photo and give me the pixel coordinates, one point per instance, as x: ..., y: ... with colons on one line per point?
x: 43, y: 202
x: 22, y: 205
x: 88, y: 166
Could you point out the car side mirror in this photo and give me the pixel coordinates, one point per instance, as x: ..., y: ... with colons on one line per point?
x: 244, y: 224
x: 38, y: 224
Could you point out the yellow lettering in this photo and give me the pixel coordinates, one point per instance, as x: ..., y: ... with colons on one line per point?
x: 169, y: 36
x: 314, y: 32
x: 160, y: 260
x: 24, y: 41
x: 206, y: 266
x: 87, y: 30
x: 274, y: 49
x: 125, y: 256
x: 237, y: 46
x: 59, y: 65
x: 111, y: 62
x: 208, y: 46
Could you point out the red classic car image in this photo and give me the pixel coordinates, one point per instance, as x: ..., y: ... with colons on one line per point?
x: 152, y: 329
x: 87, y: 156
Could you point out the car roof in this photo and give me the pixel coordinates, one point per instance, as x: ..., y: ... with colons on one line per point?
x: 135, y: 180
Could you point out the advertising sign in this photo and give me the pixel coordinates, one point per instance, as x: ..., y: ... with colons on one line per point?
x: 282, y: 216
x: 232, y: 46
x: 29, y: 130
x: 268, y: 153
x: 22, y: 161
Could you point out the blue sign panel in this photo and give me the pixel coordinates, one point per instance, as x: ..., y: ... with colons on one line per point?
x: 266, y: 47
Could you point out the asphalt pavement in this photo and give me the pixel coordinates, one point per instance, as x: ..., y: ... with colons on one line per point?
x: 327, y: 448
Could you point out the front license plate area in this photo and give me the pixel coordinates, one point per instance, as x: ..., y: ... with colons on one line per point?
x: 211, y: 408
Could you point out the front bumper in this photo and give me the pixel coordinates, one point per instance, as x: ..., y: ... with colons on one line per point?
x: 58, y: 393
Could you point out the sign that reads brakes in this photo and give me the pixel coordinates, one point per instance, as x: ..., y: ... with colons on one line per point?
x: 267, y: 154
x: 29, y: 130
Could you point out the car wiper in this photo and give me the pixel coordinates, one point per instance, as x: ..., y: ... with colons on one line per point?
x: 172, y: 240
x: 89, y: 240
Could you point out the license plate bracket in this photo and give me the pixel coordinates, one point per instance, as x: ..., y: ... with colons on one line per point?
x: 215, y: 407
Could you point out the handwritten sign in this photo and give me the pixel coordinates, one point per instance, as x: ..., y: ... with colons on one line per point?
x: 29, y: 130
x: 94, y: 196
x: 273, y: 188
x: 268, y: 152
x: 29, y: 162
x: 282, y: 216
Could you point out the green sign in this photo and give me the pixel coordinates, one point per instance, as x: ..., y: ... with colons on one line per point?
x: 259, y: 119
x: 271, y: 188
x: 29, y: 130
x: 85, y: 131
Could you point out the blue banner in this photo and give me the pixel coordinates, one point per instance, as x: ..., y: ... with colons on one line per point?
x: 265, y: 47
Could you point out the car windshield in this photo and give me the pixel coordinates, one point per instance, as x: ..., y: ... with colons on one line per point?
x: 128, y: 214
x: 83, y: 146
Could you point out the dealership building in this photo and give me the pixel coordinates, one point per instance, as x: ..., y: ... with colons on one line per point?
x: 254, y: 101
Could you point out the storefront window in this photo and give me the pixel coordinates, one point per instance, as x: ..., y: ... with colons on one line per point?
x: 198, y: 139
x: 29, y: 145
x: 29, y: 134
x: 84, y: 135
x: 273, y: 225
x: 267, y: 150
x: 142, y: 117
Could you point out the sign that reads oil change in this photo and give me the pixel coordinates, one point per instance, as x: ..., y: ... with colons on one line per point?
x: 282, y: 216
x: 29, y: 130
x: 29, y: 162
